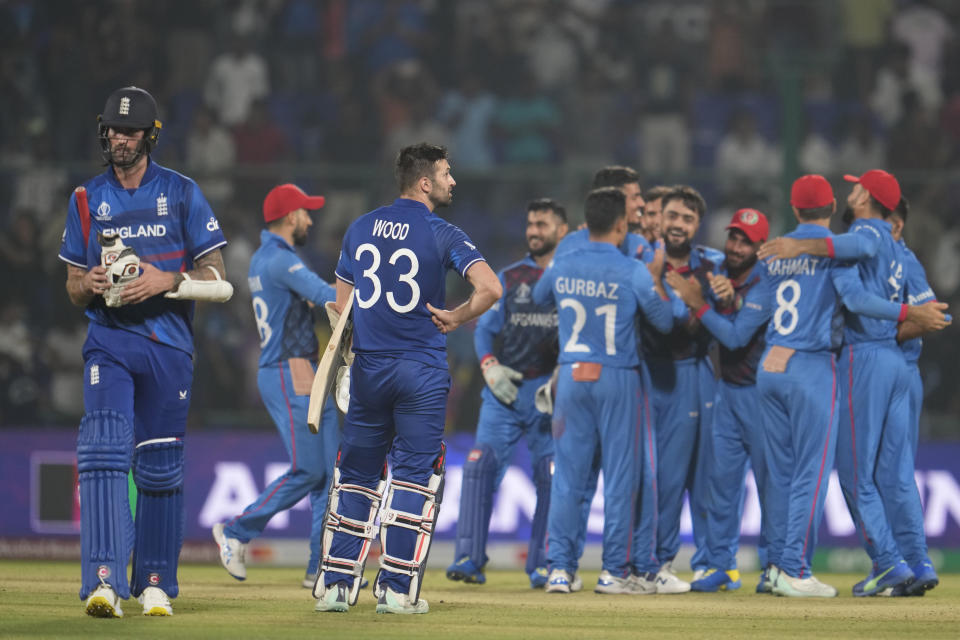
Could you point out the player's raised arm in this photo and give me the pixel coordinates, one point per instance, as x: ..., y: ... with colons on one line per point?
x: 486, y: 291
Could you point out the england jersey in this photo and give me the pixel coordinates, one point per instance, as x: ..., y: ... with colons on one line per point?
x: 168, y: 223
x: 396, y: 257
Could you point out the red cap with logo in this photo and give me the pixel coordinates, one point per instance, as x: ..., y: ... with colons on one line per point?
x: 811, y: 192
x: 881, y: 185
x: 753, y: 223
x: 285, y: 198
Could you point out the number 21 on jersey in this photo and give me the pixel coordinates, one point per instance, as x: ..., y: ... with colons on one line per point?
x: 609, y: 313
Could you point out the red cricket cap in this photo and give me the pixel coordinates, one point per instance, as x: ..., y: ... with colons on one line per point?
x: 285, y: 198
x: 811, y: 192
x: 753, y: 223
x: 881, y: 185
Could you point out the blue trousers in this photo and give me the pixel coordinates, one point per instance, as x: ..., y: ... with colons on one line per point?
x: 501, y: 427
x: 397, y: 413
x: 875, y: 453
x: 589, y: 417
x: 683, y: 393
x: 311, y: 460
x: 800, y: 418
x: 737, y: 444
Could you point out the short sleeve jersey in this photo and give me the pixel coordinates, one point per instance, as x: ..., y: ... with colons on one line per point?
x: 882, y: 275
x: 598, y: 291
x: 525, y: 333
x: 396, y: 257
x: 281, y: 286
x: 168, y: 223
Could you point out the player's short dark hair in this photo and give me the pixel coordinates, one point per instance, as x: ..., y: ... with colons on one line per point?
x: 656, y: 193
x: 604, y: 206
x: 417, y: 161
x: 689, y: 196
x: 615, y: 176
x: 816, y: 213
x: 903, y: 209
x: 884, y: 211
x: 548, y: 204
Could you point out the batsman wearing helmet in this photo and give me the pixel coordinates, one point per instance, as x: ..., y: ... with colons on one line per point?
x: 141, y: 243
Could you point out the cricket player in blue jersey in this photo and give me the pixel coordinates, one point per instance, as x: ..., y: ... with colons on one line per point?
x: 597, y: 292
x: 874, y: 448
x: 150, y: 232
x: 737, y: 318
x: 798, y: 371
x: 516, y: 343
x: 682, y: 393
x: 393, y: 267
x: 283, y: 290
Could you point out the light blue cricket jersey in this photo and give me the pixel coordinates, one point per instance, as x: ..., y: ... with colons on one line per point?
x: 918, y: 291
x: 168, y: 223
x: 633, y: 246
x: 805, y: 294
x: 597, y: 291
x: 281, y: 286
x: 396, y: 257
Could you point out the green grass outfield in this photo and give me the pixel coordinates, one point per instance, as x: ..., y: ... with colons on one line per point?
x: 38, y: 599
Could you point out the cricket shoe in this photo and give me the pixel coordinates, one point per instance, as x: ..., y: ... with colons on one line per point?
x: 894, y: 576
x: 925, y: 578
x: 643, y: 584
x: 562, y: 582
x: 104, y: 603
x: 233, y: 553
x: 765, y: 585
x: 310, y: 579
x: 538, y: 578
x: 610, y: 584
x: 392, y: 602
x: 858, y: 588
x: 809, y: 587
x: 698, y: 575
x: 155, y: 602
x: 464, y: 569
x: 714, y: 580
x: 668, y: 582
x: 335, y: 599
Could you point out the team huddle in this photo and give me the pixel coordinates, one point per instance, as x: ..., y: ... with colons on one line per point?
x: 818, y: 339
x: 595, y: 348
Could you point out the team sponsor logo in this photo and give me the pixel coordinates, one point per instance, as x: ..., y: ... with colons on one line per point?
x: 124, y: 106
x: 103, y: 572
x: 162, y: 205
x: 154, y: 579
x: 474, y: 455
x: 522, y: 295
x: 137, y: 231
x: 103, y: 212
x: 212, y: 224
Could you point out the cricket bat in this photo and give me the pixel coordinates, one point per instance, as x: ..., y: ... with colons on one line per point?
x: 330, y: 362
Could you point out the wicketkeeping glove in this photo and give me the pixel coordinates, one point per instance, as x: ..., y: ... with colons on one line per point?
x: 543, y: 398
x: 500, y: 379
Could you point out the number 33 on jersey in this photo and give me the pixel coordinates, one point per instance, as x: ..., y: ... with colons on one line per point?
x: 396, y: 258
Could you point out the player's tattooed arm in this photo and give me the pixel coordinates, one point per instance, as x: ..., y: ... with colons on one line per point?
x: 153, y: 281
x: 83, y: 284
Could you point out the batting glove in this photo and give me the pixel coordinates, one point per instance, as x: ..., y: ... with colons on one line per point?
x: 500, y: 379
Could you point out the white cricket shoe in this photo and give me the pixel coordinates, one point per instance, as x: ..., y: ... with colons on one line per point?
x: 390, y: 601
x: 335, y: 599
x: 642, y: 584
x: 562, y: 582
x: 104, y: 603
x: 155, y: 602
x: 233, y: 553
x: 809, y: 587
x: 668, y: 582
x: 608, y: 583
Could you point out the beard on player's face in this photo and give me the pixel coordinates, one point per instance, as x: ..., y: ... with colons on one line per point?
x: 541, y: 245
x: 677, y: 242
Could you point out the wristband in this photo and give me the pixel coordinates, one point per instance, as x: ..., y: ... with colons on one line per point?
x: 702, y: 310
x: 904, y: 308
x: 830, y: 252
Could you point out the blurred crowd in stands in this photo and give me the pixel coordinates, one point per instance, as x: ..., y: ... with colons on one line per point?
x: 735, y: 97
